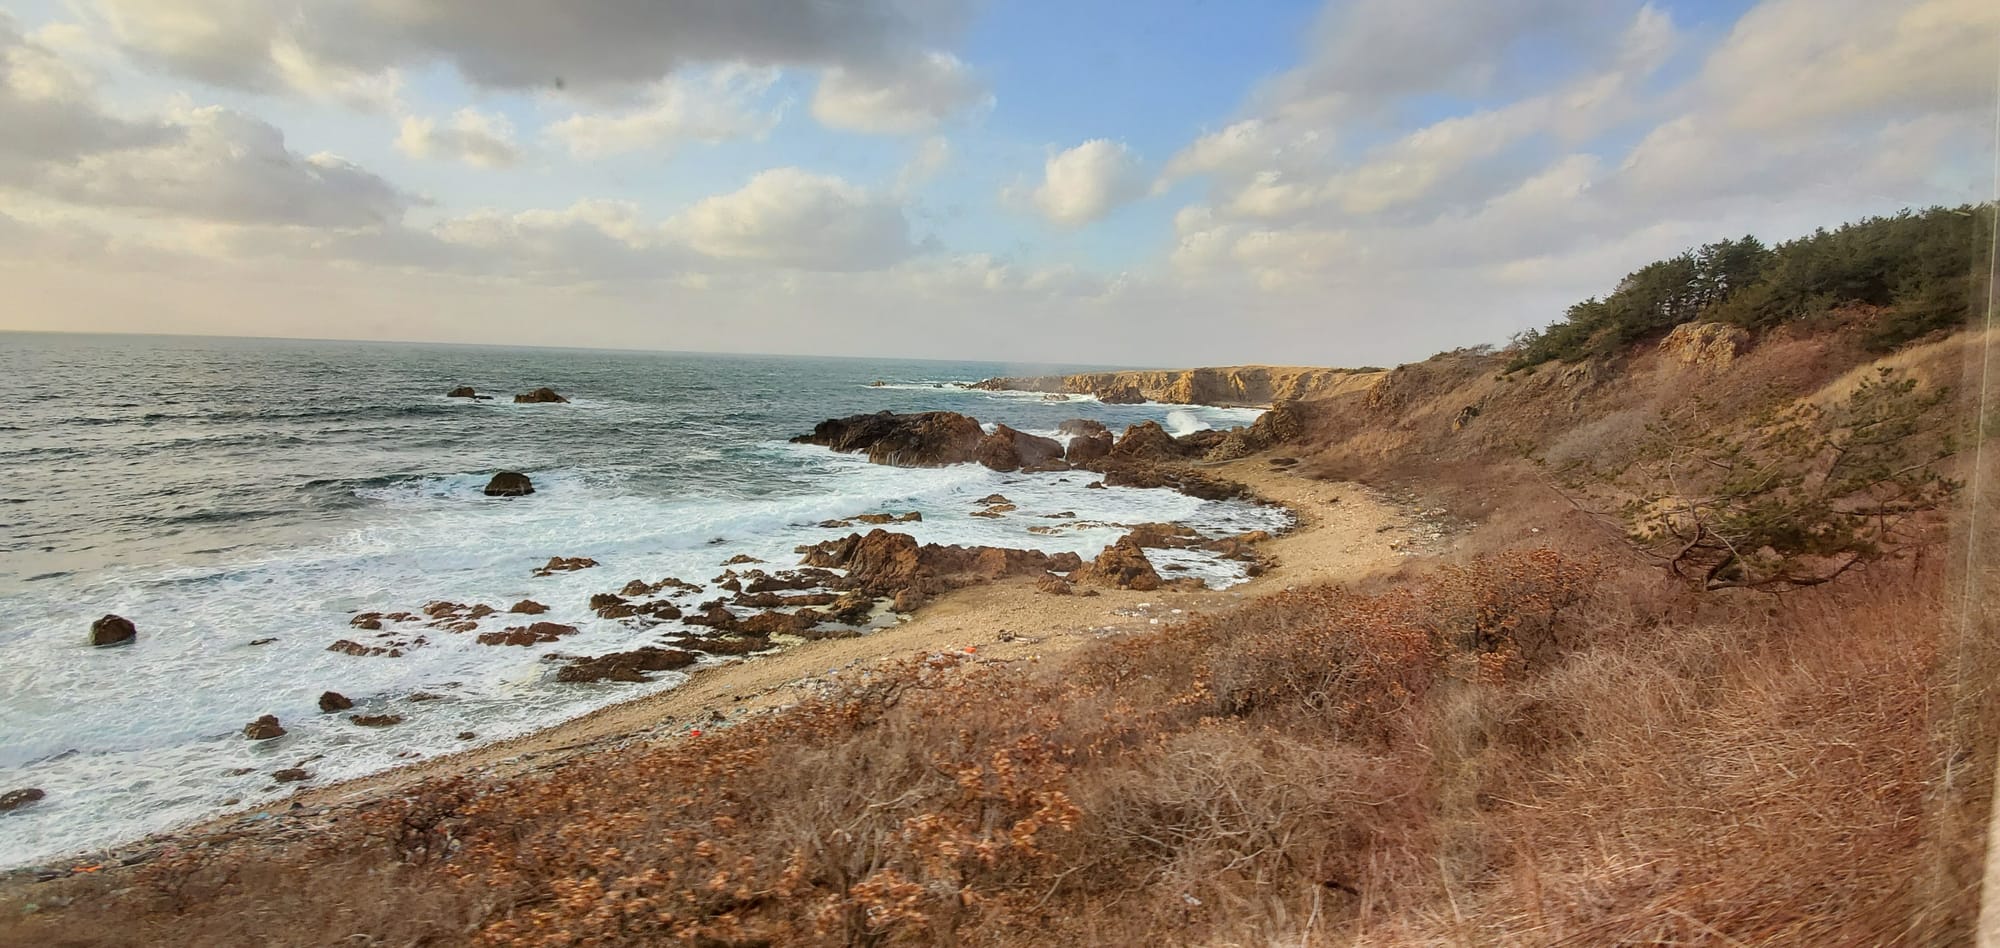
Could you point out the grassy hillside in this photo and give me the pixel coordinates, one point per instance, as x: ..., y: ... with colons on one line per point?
x: 1540, y: 737
x: 1919, y: 272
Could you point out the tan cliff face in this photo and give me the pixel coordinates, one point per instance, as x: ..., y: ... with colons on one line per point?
x: 1231, y: 386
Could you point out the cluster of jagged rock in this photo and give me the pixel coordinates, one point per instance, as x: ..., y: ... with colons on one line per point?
x: 540, y: 396
x: 1144, y: 456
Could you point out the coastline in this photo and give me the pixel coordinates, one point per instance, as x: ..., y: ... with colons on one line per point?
x: 1343, y: 532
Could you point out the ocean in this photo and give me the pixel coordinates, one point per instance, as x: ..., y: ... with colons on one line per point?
x: 222, y: 493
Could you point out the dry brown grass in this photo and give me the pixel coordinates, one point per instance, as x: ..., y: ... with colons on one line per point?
x: 1538, y: 742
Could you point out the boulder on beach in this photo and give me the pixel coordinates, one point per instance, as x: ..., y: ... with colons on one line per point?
x: 463, y: 391
x: 925, y: 439
x: 1122, y: 565
x: 332, y: 701
x: 112, y: 630
x: 1053, y: 585
x: 16, y: 799
x: 888, y: 564
x: 263, y: 729
x: 541, y: 396
x: 1009, y: 450
x: 509, y: 484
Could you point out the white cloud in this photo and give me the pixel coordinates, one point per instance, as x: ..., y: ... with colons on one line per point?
x: 1793, y: 63
x: 49, y: 109
x: 722, y: 105
x: 929, y: 159
x: 794, y: 218
x: 1364, y: 53
x: 222, y: 165
x: 473, y: 137
x: 1085, y: 183
x: 907, y: 97
x: 613, y: 48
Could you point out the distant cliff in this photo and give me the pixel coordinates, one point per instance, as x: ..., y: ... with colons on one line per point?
x: 1229, y: 386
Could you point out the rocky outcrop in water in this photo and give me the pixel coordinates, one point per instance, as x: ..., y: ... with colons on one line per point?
x: 332, y: 701
x: 15, y: 799
x: 565, y: 564
x: 629, y: 666
x: 926, y: 439
x: 509, y: 484
x: 524, y: 635
x: 264, y: 728
x: 463, y: 391
x: 1009, y: 450
x: 541, y: 396
x: 112, y: 630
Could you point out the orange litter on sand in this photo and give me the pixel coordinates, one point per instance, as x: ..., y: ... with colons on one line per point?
x: 695, y: 732
x: 88, y: 868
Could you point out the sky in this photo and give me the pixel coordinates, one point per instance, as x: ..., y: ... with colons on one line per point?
x: 1169, y: 183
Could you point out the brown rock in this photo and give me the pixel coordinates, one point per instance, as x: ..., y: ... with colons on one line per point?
x: 625, y: 666
x: 1007, y: 449
x: 907, y: 600
x: 15, y: 799
x: 290, y: 775
x: 112, y: 630
x: 540, y: 396
x: 741, y: 559
x: 1172, y: 536
x: 1705, y: 345
x: 928, y: 439
x: 1083, y: 427
x: 332, y: 701
x: 528, y: 607
x: 535, y: 634
x: 1146, y: 441
x: 263, y: 729
x: 562, y: 564
x: 463, y: 391
x: 1053, y: 585
x: 509, y: 484
x: 993, y: 500
x: 376, y: 720
x: 1122, y: 565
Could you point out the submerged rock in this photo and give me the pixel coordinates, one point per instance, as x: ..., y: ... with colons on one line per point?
x: 264, y: 728
x: 376, y: 720
x: 16, y: 799
x: 332, y: 701
x: 509, y: 484
x: 540, y: 396
x: 290, y: 775
x: 463, y: 391
x: 565, y: 564
x: 112, y: 630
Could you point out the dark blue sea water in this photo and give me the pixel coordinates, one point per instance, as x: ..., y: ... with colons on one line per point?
x: 219, y: 492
